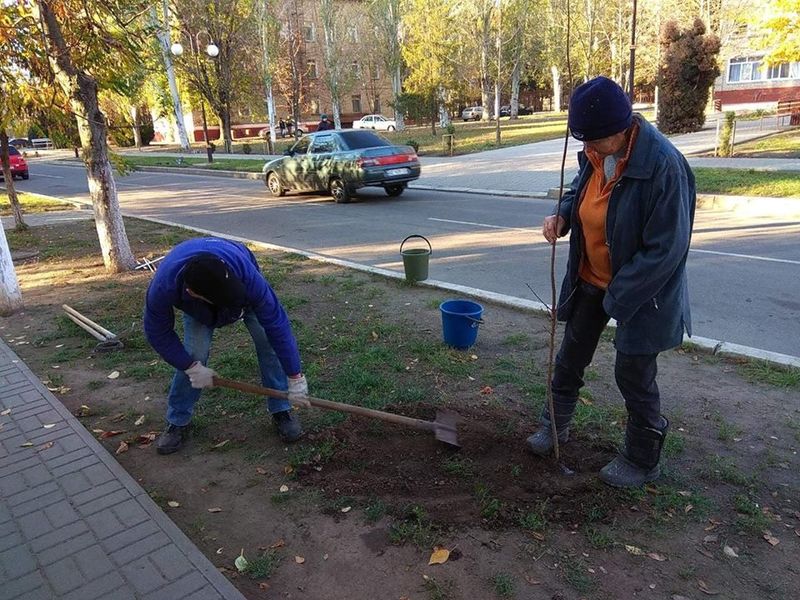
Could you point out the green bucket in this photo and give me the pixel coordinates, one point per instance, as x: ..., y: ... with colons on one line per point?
x: 415, y: 260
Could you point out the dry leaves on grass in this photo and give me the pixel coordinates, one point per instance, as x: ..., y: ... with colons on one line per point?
x: 220, y: 445
x: 139, y: 421
x: 107, y: 434
x: 299, y: 560
x: 123, y: 447
x: 279, y: 544
x: 6, y: 412
x: 729, y: 552
x: 215, y: 509
x: 439, y: 556
x: 173, y: 503
x: 771, y: 539
x: 113, y: 375
x: 284, y: 488
x: 261, y: 470
x: 45, y: 446
x: 703, y: 587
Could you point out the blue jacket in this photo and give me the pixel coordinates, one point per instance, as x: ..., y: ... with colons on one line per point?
x: 167, y: 292
x: 648, y: 231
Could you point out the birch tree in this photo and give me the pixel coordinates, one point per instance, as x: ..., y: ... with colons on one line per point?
x: 334, y: 56
x: 163, y: 25
x: 386, y: 18
x: 268, y: 34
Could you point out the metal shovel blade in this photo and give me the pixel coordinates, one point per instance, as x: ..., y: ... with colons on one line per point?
x: 445, y: 428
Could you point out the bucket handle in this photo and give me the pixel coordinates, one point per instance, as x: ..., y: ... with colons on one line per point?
x: 430, y: 248
x: 475, y: 322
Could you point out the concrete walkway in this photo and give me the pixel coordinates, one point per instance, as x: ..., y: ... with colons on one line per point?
x: 73, y: 523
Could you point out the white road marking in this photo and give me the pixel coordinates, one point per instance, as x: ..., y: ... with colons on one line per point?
x: 748, y: 256
x: 482, y: 225
x: 34, y: 174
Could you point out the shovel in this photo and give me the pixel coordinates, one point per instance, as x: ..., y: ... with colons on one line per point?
x: 444, y: 427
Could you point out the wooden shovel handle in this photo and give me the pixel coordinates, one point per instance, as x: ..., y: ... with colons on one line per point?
x: 326, y: 404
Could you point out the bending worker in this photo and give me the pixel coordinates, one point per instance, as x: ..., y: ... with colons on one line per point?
x: 629, y: 212
x: 215, y: 283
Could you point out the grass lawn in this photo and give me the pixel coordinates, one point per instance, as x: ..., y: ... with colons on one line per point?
x: 31, y: 203
x: 747, y: 182
x: 781, y: 145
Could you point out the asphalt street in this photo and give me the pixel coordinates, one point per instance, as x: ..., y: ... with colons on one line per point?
x: 744, y: 270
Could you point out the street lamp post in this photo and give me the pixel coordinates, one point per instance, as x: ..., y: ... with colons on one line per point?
x: 213, y: 51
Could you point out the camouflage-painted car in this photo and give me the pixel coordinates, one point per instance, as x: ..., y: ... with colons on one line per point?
x: 341, y: 161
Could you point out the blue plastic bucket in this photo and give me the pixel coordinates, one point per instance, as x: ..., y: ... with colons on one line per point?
x: 460, y: 321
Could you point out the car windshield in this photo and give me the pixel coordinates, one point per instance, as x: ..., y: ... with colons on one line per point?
x: 13, y: 151
x: 355, y: 140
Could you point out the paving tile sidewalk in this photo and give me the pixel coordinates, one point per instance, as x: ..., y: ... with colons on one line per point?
x: 73, y: 523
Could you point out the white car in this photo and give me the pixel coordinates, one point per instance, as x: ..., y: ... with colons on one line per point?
x: 378, y: 122
x: 472, y: 113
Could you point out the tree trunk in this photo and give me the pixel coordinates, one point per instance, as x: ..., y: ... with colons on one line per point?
x: 556, y: 89
x: 19, y: 222
x: 81, y: 89
x: 271, y: 114
x: 225, y: 124
x: 444, y: 116
x: 515, y: 77
x: 486, y: 92
x: 397, y: 90
x: 166, y: 56
x: 137, y: 132
x: 337, y: 113
x: 10, y: 295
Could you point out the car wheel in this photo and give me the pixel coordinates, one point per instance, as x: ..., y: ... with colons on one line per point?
x: 390, y: 128
x: 25, y: 175
x: 339, y: 191
x: 274, y: 184
x: 394, y: 190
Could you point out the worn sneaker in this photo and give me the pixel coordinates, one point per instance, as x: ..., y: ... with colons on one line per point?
x: 288, y: 426
x: 172, y: 439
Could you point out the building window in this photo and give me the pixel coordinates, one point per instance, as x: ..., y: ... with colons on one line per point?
x: 356, y: 67
x: 357, y: 103
x: 752, y: 68
x: 352, y: 33
x: 309, y: 33
x: 376, y: 105
x: 374, y: 72
x: 311, y: 68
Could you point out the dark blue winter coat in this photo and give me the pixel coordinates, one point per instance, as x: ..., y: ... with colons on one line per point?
x: 648, y: 230
x: 167, y: 292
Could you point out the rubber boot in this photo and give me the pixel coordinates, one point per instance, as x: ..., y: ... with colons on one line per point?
x: 637, y: 463
x: 541, y: 441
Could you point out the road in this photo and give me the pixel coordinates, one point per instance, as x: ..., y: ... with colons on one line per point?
x: 744, y: 271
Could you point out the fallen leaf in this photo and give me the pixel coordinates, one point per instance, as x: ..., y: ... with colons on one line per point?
x: 538, y: 536
x: 117, y: 418
x: 729, y: 552
x: 711, y: 539
x: 241, y: 562
x: 221, y: 444
x: 288, y: 469
x: 175, y: 504
x: 49, y: 425
x: 219, y: 550
x: 585, y: 401
x: 473, y: 356
x: 108, y: 434
x: 45, y: 446
x: 279, y: 544
x: 713, y: 524
x: 684, y: 493
x: 215, y: 509
x: 688, y: 508
x: 5, y: 412
x: 656, y: 556
x: 374, y: 335
x: 113, y: 375
x: 59, y: 345
x: 531, y: 580
x: 705, y: 552
x: 299, y: 560
x: 139, y: 421
x: 704, y: 588
x: 284, y: 488
x: 123, y: 447
x: 324, y: 557
x: 486, y: 391
x: 439, y: 556
x: 83, y: 411
x: 634, y: 550
x: 263, y: 586
x: 261, y: 470
x: 347, y: 509
x: 771, y: 539
x: 26, y: 445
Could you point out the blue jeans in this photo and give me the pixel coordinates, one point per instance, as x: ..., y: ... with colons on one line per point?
x: 197, y: 341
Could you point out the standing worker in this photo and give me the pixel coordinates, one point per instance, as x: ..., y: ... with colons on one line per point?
x: 630, y: 212
x: 324, y: 124
x: 216, y: 282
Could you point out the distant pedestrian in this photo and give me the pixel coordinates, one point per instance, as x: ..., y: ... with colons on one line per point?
x: 289, y: 125
x: 630, y: 211
x: 282, y: 127
x: 217, y: 282
x: 324, y: 123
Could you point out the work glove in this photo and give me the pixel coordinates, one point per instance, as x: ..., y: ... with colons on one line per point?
x: 200, y: 376
x: 298, y: 391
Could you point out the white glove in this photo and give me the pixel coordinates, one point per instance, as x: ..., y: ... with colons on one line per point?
x: 298, y: 391
x: 200, y: 375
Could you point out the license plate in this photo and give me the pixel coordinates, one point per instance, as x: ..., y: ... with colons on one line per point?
x: 396, y: 172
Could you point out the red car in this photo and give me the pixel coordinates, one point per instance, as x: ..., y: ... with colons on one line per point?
x: 19, y: 168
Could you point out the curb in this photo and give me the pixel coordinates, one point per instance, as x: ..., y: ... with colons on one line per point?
x: 715, y: 347
x: 206, y: 172
x: 464, y: 190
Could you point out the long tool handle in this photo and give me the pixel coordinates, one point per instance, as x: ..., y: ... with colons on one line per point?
x: 326, y: 404
x: 83, y: 325
x: 71, y: 311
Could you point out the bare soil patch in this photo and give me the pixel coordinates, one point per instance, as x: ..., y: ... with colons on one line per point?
x: 364, y: 503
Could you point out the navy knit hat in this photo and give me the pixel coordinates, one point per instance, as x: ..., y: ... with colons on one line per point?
x: 210, y: 277
x: 597, y: 109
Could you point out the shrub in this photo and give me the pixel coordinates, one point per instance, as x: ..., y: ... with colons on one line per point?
x: 247, y: 148
x: 451, y: 129
x: 414, y: 144
x: 687, y: 71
